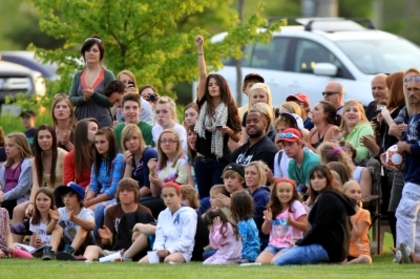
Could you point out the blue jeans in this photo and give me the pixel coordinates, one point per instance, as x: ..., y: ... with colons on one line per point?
x: 309, y: 254
x: 208, y: 253
x: 204, y: 205
x: 208, y: 172
x: 99, y: 213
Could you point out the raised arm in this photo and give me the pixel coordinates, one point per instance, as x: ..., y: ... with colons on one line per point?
x: 199, y: 42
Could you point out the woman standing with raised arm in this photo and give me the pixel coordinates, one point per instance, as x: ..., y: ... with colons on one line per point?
x: 218, y: 122
x: 87, y: 88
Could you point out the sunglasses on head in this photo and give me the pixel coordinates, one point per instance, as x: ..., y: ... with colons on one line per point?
x: 329, y: 93
x: 288, y: 136
x: 63, y: 95
x: 415, y: 78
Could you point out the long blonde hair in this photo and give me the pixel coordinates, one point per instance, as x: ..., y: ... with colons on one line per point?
x: 129, y: 131
x: 261, y: 169
x: 363, y: 119
x: 23, y: 146
x: 264, y: 87
x: 162, y: 158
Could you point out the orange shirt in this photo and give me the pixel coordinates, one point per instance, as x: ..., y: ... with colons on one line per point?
x: 361, y: 246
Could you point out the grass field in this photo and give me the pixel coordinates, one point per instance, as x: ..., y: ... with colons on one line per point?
x: 382, y: 268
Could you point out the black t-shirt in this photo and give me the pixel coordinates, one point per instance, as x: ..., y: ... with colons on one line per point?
x: 264, y: 150
x: 203, y: 145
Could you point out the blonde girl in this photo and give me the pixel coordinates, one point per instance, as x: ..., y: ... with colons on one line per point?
x: 359, y: 251
x: 285, y: 220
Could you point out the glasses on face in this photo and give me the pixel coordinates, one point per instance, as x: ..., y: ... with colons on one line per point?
x: 288, y: 136
x: 62, y: 95
x: 96, y: 39
x: 329, y: 93
x: 169, y: 141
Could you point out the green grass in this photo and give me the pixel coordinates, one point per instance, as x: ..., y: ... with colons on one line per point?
x: 381, y: 269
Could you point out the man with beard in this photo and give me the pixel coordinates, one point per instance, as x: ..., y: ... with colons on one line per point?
x: 259, y: 146
x: 379, y: 93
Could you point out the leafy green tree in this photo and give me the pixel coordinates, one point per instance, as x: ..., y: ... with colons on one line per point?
x: 146, y: 36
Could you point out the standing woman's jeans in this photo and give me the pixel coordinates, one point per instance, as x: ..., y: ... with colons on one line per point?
x: 309, y: 254
x: 208, y: 172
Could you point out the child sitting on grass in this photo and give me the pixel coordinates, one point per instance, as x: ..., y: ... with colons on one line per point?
x: 71, y: 225
x: 225, y: 237
x: 359, y: 251
x: 7, y: 248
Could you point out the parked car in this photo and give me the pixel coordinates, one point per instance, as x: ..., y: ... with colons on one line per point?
x: 15, y: 79
x: 305, y: 58
x: 27, y: 59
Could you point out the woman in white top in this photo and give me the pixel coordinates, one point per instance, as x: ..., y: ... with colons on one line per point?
x: 165, y: 112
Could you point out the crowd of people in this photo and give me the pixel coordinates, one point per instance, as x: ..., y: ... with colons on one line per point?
x: 118, y: 176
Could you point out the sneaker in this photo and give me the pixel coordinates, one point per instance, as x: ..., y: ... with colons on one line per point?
x: 405, y: 252
x: 49, y: 256
x: 124, y: 259
x: 65, y: 256
x: 397, y: 257
x: 107, y: 252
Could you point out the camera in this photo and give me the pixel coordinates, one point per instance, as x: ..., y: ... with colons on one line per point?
x: 152, y: 97
x: 130, y: 84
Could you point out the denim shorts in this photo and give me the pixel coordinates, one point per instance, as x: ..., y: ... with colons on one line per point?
x: 274, y: 250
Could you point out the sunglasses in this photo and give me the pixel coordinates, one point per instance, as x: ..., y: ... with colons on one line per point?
x: 329, y: 93
x: 96, y: 39
x: 288, y: 136
x: 63, y: 95
x: 416, y: 79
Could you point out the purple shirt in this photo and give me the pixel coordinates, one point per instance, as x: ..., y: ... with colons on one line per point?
x: 12, y: 177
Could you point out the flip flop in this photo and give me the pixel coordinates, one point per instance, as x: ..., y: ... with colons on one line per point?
x: 405, y: 252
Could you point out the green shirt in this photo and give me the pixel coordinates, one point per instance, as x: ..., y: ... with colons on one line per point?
x: 301, y: 174
x: 362, y: 129
x: 145, y: 128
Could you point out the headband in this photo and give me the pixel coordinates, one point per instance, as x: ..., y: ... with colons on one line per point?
x: 335, y: 151
x: 285, y: 179
x: 173, y: 184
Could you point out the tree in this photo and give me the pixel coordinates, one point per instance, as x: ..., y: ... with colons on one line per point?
x: 143, y: 36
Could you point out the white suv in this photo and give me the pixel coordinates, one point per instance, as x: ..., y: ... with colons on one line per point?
x: 305, y: 58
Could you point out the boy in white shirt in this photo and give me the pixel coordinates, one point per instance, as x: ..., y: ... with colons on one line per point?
x: 71, y: 225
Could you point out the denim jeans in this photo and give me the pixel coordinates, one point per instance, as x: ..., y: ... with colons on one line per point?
x: 208, y: 172
x: 309, y: 254
x: 208, y: 253
x: 408, y: 218
x: 204, y: 205
x: 99, y: 213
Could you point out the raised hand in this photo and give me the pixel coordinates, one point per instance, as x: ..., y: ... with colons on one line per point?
x: 54, y: 213
x: 199, y: 40
x: 268, y: 214
x: 105, y: 233
x: 128, y: 157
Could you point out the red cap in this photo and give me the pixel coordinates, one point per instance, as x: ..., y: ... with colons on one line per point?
x: 173, y: 184
x: 301, y: 97
x: 290, y: 135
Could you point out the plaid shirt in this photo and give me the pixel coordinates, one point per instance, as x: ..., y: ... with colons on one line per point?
x: 104, y: 182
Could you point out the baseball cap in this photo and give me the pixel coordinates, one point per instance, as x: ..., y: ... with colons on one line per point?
x: 254, y: 76
x: 237, y: 168
x: 71, y: 187
x: 295, y: 118
x: 301, y: 97
x: 290, y: 135
x: 27, y: 113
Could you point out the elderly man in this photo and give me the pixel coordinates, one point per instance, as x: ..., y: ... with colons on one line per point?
x: 334, y: 93
x: 379, y: 93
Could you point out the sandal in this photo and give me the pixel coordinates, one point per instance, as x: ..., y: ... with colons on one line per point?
x: 405, y: 253
x: 21, y: 229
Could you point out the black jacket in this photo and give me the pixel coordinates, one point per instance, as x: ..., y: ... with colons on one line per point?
x: 331, y: 225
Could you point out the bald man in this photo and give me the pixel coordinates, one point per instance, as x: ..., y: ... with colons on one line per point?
x: 334, y: 93
x: 379, y: 93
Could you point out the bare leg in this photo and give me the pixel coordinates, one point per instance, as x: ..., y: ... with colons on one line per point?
x: 265, y: 257
x: 278, y: 255
x: 92, y: 252
x: 137, y: 246
x: 175, y: 257
x: 56, y: 237
x: 361, y: 259
x: 144, y: 260
x: 18, y: 218
x: 79, y: 239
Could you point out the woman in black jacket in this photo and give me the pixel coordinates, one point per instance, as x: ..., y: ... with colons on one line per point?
x: 329, y: 237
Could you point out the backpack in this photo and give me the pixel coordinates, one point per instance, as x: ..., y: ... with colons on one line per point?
x: 125, y: 228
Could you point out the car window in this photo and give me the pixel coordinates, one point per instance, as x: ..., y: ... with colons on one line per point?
x: 270, y: 56
x: 308, y: 53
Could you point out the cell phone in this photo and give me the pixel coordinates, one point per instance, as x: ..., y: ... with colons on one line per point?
x: 130, y: 84
x: 219, y: 126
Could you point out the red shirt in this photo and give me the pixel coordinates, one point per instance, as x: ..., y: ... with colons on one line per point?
x: 70, y: 174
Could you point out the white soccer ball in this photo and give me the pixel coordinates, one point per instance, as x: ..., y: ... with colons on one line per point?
x: 394, y: 158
